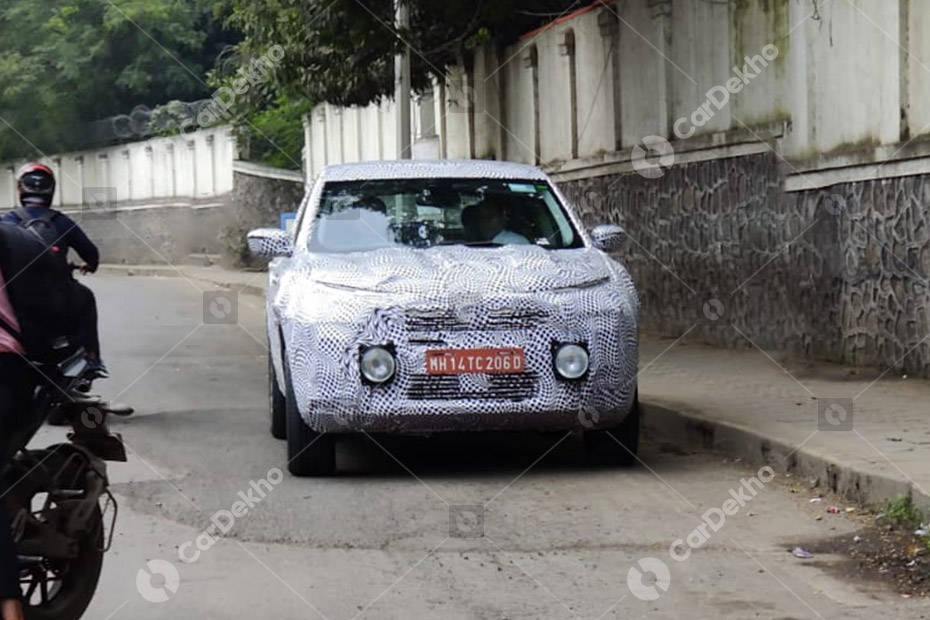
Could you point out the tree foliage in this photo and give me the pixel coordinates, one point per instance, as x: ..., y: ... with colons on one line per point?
x: 275, y: 134
x: 66, y: 63
x: 342, y: 51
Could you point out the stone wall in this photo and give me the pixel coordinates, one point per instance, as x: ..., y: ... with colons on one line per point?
x: 880, y: 263
x: 258, y: 201
x: 720, y: 253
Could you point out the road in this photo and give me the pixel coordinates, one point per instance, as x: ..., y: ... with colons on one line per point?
x: 448, y: 527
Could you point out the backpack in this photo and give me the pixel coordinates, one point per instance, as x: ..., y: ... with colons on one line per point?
x: 42, y: 228
x: 42, y: 293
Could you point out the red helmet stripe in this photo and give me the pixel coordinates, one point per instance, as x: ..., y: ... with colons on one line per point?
x: 35, y: 167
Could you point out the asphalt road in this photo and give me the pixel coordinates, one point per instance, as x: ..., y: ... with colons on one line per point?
x: 447, y: 527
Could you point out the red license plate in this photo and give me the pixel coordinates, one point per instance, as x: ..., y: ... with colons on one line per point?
x: 502, y: 360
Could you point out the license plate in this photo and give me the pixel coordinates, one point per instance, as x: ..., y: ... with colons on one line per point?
x: 502, y: 360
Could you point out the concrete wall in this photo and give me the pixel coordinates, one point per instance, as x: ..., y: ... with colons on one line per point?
x: 846, y: 72
x: 157, y: 235
x: 196, y: 165
x: 337, y: 135
x: 848, y: 82
x: 165, y: 199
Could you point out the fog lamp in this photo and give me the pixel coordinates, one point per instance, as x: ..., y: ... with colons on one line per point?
x: 571, y: 361
x: 377, y: 364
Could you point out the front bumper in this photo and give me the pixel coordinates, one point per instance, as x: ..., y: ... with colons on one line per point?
x: 441, y: 421
x: 415, y: 402
x: 323, y: 358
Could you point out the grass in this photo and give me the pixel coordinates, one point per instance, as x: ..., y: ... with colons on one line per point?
x: 902, y: 512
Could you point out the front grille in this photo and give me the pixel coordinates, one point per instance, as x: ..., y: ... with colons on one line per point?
x: 513, y: 387
x: 436, y: 320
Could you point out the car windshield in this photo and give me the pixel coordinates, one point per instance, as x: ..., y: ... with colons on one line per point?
x: 421, y: 213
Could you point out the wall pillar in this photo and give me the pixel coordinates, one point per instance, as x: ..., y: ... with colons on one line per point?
x: 567, y: 50
x: 172, y: 156
x: 608, y: 22
x: 150, y: 164
x: 307, y: 151
x: 661, y: 11
x: 443, y: 118
x: 103, y: 171
x: 192, y: 153
x: 58, y: 170
x: 531, y: 62
x: 81, y: 179
x: 11, y: 171
x: 128, y: 163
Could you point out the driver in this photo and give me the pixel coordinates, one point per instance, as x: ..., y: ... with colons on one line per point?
x: 36, y: 187
x: 489, y: 218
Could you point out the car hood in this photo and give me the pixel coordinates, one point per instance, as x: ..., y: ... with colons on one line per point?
x: 508, y: 269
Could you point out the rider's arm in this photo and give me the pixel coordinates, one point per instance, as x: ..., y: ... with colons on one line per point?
x: 85, y: 248
x: 10, y: 217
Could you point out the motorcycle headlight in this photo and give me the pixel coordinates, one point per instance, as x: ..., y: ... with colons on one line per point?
x: 377, y: 364
x: 571, y: 361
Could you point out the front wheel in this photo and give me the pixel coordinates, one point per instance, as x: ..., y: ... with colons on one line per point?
x: 618, y: 445
x: 309, y: 453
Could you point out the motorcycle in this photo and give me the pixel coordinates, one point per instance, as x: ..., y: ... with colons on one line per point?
x: 58, y: 499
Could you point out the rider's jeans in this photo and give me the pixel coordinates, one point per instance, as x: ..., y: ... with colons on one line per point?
x: 16, y: 386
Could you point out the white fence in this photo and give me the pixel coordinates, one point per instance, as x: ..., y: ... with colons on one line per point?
x: 195, y: 165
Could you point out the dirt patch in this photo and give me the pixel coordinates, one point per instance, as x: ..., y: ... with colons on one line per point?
x: 891, y: 556
x: 883, y: 550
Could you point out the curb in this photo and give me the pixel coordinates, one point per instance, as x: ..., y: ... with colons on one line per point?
x: 688, y: 430
x: 177, y: 272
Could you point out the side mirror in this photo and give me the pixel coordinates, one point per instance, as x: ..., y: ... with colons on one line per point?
x: 608, y: 237
x: 270, y: 242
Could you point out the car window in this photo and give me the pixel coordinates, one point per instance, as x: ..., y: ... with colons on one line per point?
x: 421, y: 213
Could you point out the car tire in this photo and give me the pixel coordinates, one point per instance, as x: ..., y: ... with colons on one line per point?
x: 277, y: 404
x: 616, y: 446
x: 309, y: 453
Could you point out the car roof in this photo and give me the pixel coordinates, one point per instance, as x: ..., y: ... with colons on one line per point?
x: 427, y: 169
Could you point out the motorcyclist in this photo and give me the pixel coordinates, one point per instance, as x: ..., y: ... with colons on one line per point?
x: 36, y: 188
x: 34, y: 307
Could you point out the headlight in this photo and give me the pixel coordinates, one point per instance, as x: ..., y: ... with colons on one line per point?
x: 377, y: 364
x: 571, y: 361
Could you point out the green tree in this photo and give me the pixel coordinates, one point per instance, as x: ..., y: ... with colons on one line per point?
x: 275, y: 134
x: 68, y: 63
